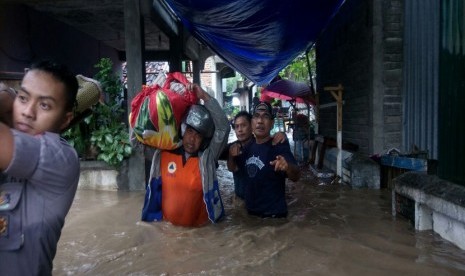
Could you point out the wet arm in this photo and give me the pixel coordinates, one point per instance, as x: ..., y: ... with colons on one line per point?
x: 234, y: 150
x: 293, y: 172
x: 222, y: 127
x: 232, y: 166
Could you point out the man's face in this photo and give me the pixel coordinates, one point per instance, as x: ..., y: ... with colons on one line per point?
x: 191, y: 140
x: 262, y: 123
x: 243, y: 129
x: 40, y: 104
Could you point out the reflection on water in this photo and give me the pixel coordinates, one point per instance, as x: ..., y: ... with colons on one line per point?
x: 330, y: 230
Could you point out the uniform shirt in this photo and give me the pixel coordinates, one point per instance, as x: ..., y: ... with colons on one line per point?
x: 43, y: 175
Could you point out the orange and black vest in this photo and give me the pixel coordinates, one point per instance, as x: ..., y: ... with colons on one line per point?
x: 182, y: 197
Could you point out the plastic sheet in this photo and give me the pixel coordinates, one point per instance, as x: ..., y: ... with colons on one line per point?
x: 157, y: 111
x: 255, y: 37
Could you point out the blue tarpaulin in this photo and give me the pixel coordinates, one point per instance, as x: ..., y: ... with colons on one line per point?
x: 258, y: 38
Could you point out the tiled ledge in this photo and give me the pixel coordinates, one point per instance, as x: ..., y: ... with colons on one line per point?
x: 432, y: 204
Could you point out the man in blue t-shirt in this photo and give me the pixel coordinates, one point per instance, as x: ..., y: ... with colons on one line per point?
x: 266, y: 166
x: 242, y: 125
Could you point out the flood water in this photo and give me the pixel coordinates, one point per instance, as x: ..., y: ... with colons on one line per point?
x: 331, y: 230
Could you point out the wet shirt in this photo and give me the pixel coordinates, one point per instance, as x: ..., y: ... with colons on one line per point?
x: 41, y: 182
x: 265, y: 188
x: 182, y: 196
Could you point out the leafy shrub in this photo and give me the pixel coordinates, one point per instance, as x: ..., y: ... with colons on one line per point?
x: 104, y: 130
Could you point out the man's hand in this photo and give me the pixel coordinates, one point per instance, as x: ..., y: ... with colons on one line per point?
x: 199, y: 92
x: 235, y: 149
x: 6, y: 146
x: 279, y: 138
x: 280, y: 164
x: 7, y: 97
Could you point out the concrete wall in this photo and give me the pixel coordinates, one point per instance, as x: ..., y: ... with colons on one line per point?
x: 27, y: 36
x: 97, y: 175
x: 344, y: 55
x: 362, y: 50
x: 393, y: 61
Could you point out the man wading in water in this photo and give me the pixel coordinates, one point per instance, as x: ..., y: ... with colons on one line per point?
x: 266, y: 165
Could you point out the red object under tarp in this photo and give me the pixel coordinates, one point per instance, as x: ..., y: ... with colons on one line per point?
x: 288, y: 90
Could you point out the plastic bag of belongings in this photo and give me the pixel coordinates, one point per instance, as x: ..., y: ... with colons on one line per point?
x: 157, y: 111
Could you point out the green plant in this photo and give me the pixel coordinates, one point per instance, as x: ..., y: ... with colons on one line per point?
x: 113, y: 144
x: 230, y: 110
x: 104, y: 130
x: 76, y: 139
x: 298, y: 69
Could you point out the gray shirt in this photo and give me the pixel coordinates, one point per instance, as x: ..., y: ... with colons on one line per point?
x: 41, y: 183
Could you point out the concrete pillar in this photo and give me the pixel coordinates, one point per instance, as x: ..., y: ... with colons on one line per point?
x: 377, y: 97
x: 136, y: 74
x: 423, y: 217
x: 449, y: 229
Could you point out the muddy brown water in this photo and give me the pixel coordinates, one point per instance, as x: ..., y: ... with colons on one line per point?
x: 331, y: 230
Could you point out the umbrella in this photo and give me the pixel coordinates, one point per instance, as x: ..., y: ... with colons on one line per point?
x: 266, y: 96
x: 289, y: 90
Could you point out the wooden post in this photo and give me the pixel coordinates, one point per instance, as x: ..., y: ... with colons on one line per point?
x: 317, y: 113
x: 336, y: 92
x: 136, y: 75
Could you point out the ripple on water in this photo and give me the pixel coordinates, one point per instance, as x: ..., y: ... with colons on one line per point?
x: 330, y: 230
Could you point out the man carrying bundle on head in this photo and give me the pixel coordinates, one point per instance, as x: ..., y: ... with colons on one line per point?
x: 183, y: 186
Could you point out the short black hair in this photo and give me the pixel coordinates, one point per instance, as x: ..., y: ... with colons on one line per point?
x: 62, y: 74
x: 245, y: 114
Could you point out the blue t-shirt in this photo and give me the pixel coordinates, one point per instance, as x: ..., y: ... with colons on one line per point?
x: 265, y: 187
